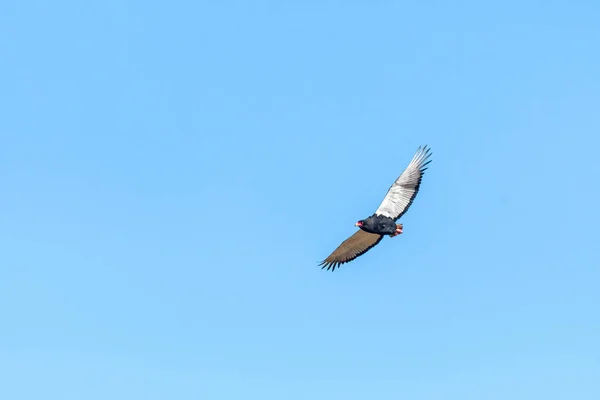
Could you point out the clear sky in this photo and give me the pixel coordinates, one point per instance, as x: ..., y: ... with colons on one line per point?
x: 173, y: 172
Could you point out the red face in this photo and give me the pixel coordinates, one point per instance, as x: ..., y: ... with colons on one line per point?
x: 359, y: 224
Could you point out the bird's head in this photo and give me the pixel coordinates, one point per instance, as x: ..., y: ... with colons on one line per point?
x: 359, y: 223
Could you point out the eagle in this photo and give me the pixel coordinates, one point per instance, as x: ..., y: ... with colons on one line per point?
x: 383, y: 222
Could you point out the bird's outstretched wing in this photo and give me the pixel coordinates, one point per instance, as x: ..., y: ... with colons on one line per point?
x: 402, y: 193
x: 356, y: 245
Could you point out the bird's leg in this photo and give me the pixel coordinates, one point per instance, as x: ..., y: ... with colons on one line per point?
x: 398, y: 230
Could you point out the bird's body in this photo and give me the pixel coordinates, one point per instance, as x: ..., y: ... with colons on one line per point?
x: 378, y: 224
x: 383, y: 222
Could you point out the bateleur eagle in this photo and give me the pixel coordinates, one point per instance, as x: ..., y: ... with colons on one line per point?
x: 383, y: 222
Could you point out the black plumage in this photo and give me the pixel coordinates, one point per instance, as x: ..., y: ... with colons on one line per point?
x: 378, y: 224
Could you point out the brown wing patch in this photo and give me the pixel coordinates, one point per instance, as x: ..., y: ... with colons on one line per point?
x: 356, y: 245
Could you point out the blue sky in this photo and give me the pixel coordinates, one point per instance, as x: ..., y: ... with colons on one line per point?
x: 172, y: 173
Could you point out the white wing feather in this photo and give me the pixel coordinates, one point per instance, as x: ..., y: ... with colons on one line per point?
x: 402, y: 193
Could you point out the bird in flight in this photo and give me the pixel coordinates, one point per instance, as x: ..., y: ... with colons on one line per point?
x: 383, y: 222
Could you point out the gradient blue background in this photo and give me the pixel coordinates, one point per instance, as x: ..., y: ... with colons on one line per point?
x: 172, y: 172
